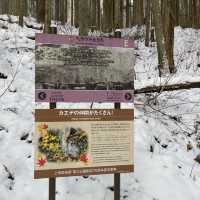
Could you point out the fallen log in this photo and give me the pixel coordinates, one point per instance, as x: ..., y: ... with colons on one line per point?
x: 172, y: 87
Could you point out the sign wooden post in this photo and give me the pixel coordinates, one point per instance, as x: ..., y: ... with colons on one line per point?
x: 117, y: 175
x: 52, y: 181
x: 52, y: 188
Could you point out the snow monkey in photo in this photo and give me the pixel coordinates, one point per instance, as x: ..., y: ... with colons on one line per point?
x: 73, y: 149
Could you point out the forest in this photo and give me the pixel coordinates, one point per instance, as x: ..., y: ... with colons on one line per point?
x: 159, y: 17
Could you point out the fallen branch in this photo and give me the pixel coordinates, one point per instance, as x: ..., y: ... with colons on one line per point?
x: 13, y: 78
x: 32, y: 26
x: 154, y: 88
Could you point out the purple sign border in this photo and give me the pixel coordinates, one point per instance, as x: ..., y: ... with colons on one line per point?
x: 110, y: 96
x: 83, y: 40
x: 56, y: 95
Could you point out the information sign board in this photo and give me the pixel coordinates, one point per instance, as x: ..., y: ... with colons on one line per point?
x: 83, y: 142
x: 84, y: 69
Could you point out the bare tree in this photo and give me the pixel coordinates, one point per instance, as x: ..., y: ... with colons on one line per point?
x: 148, y: 22
x: 139, y: 12
x: 127, y: 13
x: 22, y: 10
x: 77, y: 12
x: 47, y: 22
x: 108, y: 15
x: 156, y: 9
x: 98, y: 14
x: 93, y: 14
x: 169, y: 24
x: 40, y: 7
x: 118, y: 7
x: 84, y: 19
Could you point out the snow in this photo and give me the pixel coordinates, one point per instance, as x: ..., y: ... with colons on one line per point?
x: 159, y: 175
x: 187, y: 44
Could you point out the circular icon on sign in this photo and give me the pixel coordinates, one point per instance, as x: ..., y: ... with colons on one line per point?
x: 128, y: 96
x: 42, y: 95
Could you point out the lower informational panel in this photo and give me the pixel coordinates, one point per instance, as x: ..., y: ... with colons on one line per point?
x: 83, y: 142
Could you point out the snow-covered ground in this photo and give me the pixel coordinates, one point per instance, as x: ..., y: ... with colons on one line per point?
x: 164, y: 125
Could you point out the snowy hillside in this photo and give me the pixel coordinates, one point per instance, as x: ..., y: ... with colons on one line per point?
x: 164, y: 125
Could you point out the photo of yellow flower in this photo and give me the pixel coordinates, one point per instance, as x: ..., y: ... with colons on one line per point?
x: 62, y: 146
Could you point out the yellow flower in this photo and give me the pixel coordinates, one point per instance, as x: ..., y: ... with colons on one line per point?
x: 45, y: 140
x: 40, y: 155
x: 45, y: 145
x: 54, y: 137
x: 51, y: 147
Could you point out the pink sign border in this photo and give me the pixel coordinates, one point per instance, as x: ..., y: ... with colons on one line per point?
x: 57, y: 95
x: 48, y: 95
x: 86, y: 40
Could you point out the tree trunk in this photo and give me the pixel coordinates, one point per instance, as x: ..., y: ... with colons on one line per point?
x: 76, y: 12
x: 139, y: 12
x: 1, y: 7
x: 121, y: 24
x: 107, y: 16
x: 31, y: 8
x: 195, y: 13
x: 198, y: 8
x: 186, y: 13
x: 148, y: 22
x: 118, y: 14
x: 62, y: 11
x: 169, y: 24
x: 93, y: 14
x: 177, y: 10
x: 69, y: 11
x: 22, y: 11
x: 47, y: 23
x: 159, y: 32
x: 40, y: 7
x: 72, y: 12
x: 127, y: 13
x: 98, y: 14
x: 6, y: 6
x: 123, y: 13
x: 10, y: 7
x: 65, y: 15
x: 84, y: 19
x: 57, y: 11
